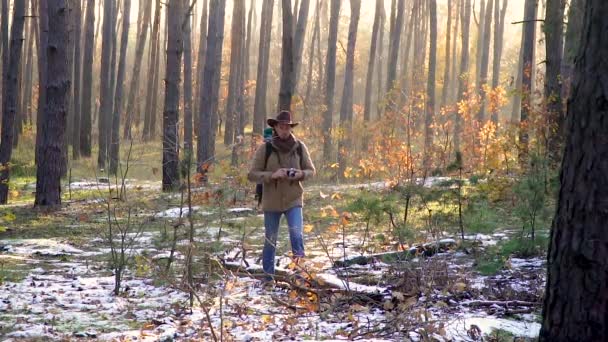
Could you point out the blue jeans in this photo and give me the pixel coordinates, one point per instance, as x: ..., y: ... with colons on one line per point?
x: 271, y: 223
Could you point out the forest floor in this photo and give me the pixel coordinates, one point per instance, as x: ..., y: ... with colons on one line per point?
x: 56, y: 282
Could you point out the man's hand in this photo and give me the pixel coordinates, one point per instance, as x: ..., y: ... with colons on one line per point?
x: 279, y: 174
x: 299, y: 175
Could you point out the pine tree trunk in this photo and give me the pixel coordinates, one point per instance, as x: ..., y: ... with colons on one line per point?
x: 171, y: 107
x: 106, y: 94
x: 395, y: 39
x: 463, y: 80
x: 48, y: 172
x: 87, y: 80
x: 485, y: 60
x: 137, y: 62
x: 259, y: 107
x: 452, y: 96
x: 311, y: 54
x: 554, y: 27
x: 236, y: 56
x: 372, y: 62
x: 188, y: 144
x: 380, y: 65
x: 481, y: 27
x: 4, y: 33
x: 298, y: 41
x: 430, y: 86
x: 574, y: 30
x: 499, y: 27
x: 446, y: 72
x: 211, y: 82
x: 76, y: 97
x: 10, y: 96
x: 346, y: 107
x: 330, y: 79
x: 529, y: 33
x: 150, y: 110
x: 118, y: 95
x: 287, y: 58
x: 42, y: 76
x: 576, y: 293
x: 200, y: 63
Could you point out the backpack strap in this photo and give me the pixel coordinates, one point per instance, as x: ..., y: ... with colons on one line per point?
x: 299, y: 149
x: 269, y: 149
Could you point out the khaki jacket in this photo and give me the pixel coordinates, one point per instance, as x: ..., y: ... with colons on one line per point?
x: 283, y: 194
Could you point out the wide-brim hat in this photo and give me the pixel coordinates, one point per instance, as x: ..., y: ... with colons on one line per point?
x: 284, y: 117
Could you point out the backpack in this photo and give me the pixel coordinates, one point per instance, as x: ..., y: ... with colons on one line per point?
x: 259, y: 187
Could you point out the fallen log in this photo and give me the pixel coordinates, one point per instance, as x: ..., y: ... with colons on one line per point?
x: 508, y: 303
x: 427, y: 249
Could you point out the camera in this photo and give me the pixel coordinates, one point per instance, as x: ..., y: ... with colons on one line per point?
x: 291, y: 173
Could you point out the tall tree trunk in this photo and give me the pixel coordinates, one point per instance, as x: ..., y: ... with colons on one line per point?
x: 10, y: 96
x: 346, y: 107
x: 485, y: 60
x: 480, y: 34
x: 446, y: 72
x: 259, y: 107
x: 463, y: 80
x: 499, y: 29
x: 576, y: 293
x: 171, y: 108
x: 395, y: 39
x: 372, y: 62
x: 153, y: 72
x: 236, y: 59
x: 137, y: 62
x: 87, y: 80
x: 452, y: 96
x: 287, y: 58
x: 188, y: 144
x: 330, y: 79
x: 517, y: 94
x: 211, y: 83
x: 75, y: 141
x: 43, y: 26
x: 576, y: 10
x: 311, y: 53
x: 554, y: 27
x: 380, y: 64
x: 4, y: 33
x: 200, y: 63
x: 529, y: 33
x: 48, y: 172
x: 430, y: 85
x: 106, y: 94
x: 120, y: 79
x: 298, y: 40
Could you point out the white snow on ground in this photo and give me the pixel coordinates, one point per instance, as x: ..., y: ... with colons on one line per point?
x: 344, y: 285
x: 520, y: 263
x: 457, y: 328
x: 43, y: 247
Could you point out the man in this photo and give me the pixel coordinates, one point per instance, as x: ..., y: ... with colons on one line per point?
x: 281, y: 167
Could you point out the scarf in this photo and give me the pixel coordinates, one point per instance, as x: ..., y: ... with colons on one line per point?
x: 284, y: 145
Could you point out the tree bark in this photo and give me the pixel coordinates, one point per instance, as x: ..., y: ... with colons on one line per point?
x: 120, y: 79
x: 150, y: 110
x: 137, y: 62
x: 236, y: 60
x: 211, y: 83
x: 367, y: 109
x: 463, y: 80
x: 576, y: 10
x: 393, y: 52
x: 287, y: 58
x: 200, y: 63
x: 346, y: 107
x: 187, y: 32
x: 554, y: 27
x: 499, y: 28
x: 43, y: 27
x: 259, y: 107
x: 171, y: 107
x: 576, y: 296
x: 446, y: 73
x: 10, y: 90
x: 485, y: 60
x: 330, y: 79
x: 105, y: 108
x: 76, y: 96
x: 529, y: 33
x: 87, y: 80
x: 480, y: 34
x: 298, y: 40
x: 430, y: 86
x: 48, y: 172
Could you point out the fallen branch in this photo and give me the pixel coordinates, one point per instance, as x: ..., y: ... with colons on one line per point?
x: 500, y: 303
x: 288, y: 305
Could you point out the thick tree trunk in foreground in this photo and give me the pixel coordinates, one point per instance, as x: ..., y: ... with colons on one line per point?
x: 48, y: 173
x: 105, y: 109
x: 287, y: 58
x: 576, y: 299
x: 10, y: 95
